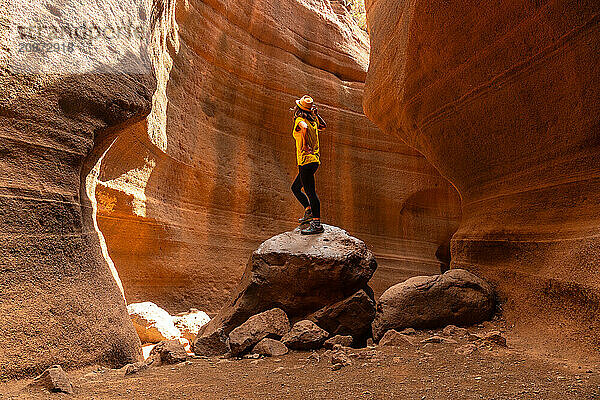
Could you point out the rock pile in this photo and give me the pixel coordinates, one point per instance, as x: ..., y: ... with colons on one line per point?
x: 318, y: 282
x: 268, y: 324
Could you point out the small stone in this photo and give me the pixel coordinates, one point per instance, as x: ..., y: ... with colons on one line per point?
x: 453, y: 330
x: 305, y: 335
x: 340, y: 357
x: 55, y: 380
x: 336, y: 367
x: 251, y: 356
x: 466, y: 349
x: 345, y: 341
x: 370, y: 342
x: 168, y: 352
x: 394, y: 338
x: 134, y: 368
x: 495, y: 337
x: 270, y: 347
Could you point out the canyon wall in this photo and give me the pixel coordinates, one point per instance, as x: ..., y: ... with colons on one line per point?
x: 183, y: 202
x: 503, y: 98
x: 59, y: 111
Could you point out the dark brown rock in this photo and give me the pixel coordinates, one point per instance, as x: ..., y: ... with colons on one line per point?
x: 55, y: 380
x: 394, y: 338
x: 273, y: 323
x: 168, y: 352
x: 352, y: 316
x: 270, y: 347
x: 345, y: 341
x: 213, y: 344
x: 495, y: 337
x: 305, y: 335
x: 299, y: 274
x: 455, y: 297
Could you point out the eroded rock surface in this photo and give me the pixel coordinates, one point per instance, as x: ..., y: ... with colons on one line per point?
x: 455, y: 297
x: 60, y: 302
x: 503, y: 99
x: 299, y: 274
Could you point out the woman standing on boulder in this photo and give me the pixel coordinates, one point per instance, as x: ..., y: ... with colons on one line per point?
x: 307, y: 123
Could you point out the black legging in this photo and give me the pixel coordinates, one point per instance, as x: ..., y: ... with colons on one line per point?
x: 306, y: 179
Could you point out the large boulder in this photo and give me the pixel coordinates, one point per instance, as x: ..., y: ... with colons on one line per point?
x: 456, y: 297
x: 272, y: 323
x: 299, y: 274
x: 352, y: 316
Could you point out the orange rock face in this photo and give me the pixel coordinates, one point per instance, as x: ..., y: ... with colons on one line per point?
x: 185, y: 197
x: 503, y: 99
x: 58, y: 299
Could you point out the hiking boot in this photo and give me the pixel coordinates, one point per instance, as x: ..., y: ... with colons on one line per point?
x: 307, y: 217
x: 314, y: 228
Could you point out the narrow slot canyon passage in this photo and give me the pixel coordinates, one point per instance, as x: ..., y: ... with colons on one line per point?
x: 155, y: 245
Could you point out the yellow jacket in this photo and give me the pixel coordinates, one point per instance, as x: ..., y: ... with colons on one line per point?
x: 303, y: 156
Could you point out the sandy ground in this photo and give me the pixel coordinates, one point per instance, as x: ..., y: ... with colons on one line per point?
x: 421, y: 371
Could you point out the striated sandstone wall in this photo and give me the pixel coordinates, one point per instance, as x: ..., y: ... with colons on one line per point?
x: 59, y: 302
x: 185, y: 197
x: 502, y: 97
